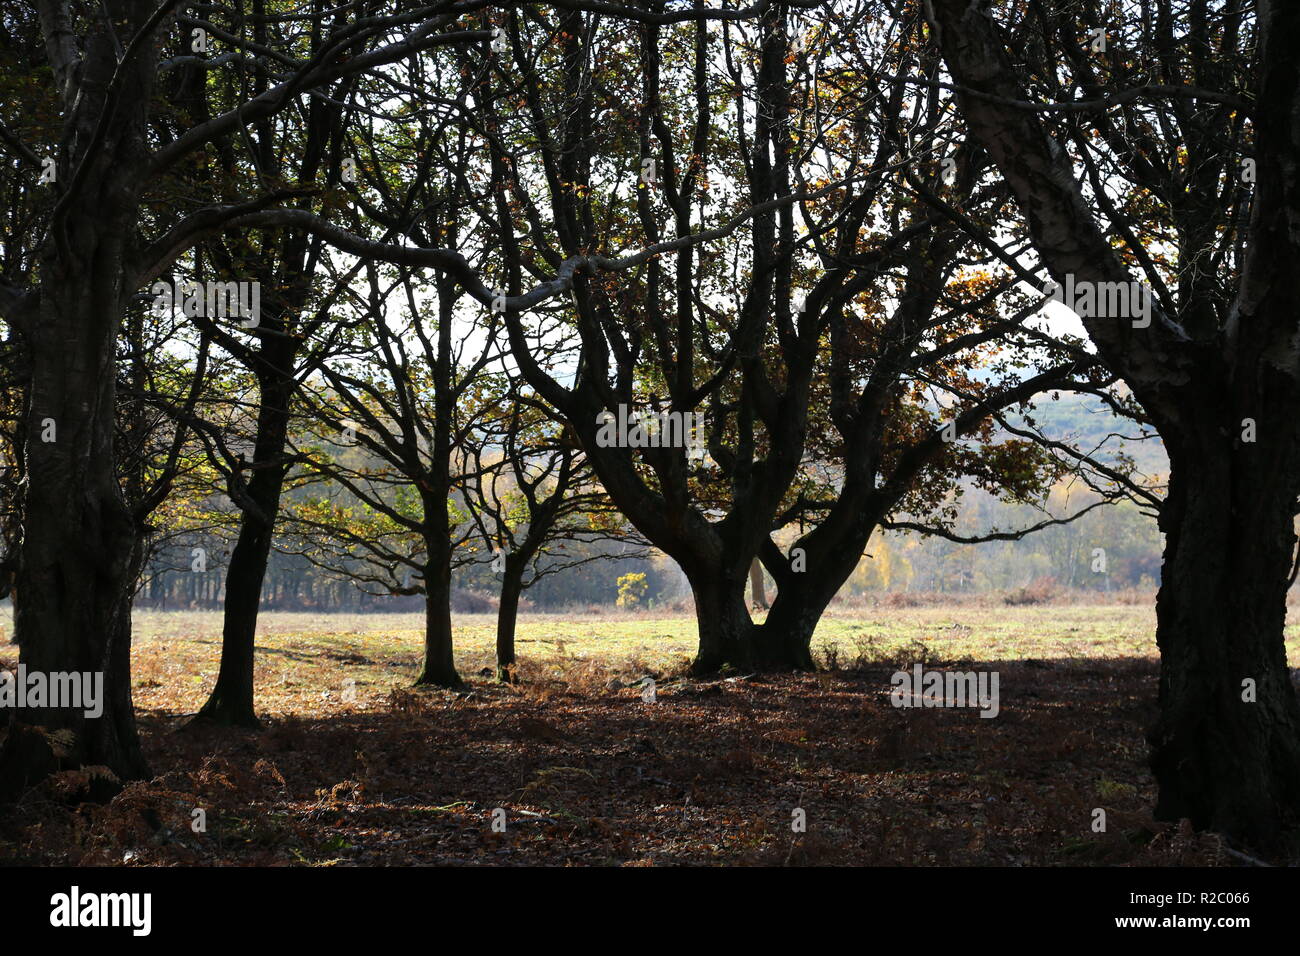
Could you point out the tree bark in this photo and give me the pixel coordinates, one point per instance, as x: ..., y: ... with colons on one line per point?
x: 507, y: 617
x: 1227, y: 763
x: 439, y: 667
x: 81, y: 550
x: 231, y: 701
x: 725, y: 627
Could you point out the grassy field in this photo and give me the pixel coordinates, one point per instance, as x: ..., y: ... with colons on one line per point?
x: 176, y: 652
x: 356, y: 768
x: 380, y: 652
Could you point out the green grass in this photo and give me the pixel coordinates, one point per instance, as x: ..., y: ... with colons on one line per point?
x: 995, y: 632
x: 958, y: 632
x: 176, y: 652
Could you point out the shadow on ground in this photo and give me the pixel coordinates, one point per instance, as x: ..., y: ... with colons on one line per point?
x: 583, y: 771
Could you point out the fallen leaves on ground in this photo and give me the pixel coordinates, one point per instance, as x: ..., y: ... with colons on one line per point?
x: 578, y: 770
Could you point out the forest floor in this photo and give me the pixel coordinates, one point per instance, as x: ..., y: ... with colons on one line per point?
x: 354, y: 766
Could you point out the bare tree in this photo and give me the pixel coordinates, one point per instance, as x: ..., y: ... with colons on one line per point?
x: 536, y: 499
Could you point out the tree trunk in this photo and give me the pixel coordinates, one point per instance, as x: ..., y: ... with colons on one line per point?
x: 1223, y: 762
x: 725, y: 627
x: 231, y: 701
x: 783, y: 642
x: 80, y: 547
x: 831, y: 552
x: 507, y: 616
x: 757, y: 589
x: 439, y: 668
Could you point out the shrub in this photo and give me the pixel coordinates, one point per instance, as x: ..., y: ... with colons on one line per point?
x: 1041, y: 591
x: 473, y: 602
x: 632, y: 589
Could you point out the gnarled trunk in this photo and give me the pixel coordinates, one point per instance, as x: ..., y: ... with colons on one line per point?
x: 80, y: 549
x: 725, y: 627
x: 1222, y: 760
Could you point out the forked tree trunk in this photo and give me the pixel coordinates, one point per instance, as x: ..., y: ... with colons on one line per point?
x: 783, y: 642
x: 725, y: 627
x: 832, y: 552
x: 1222, y: 760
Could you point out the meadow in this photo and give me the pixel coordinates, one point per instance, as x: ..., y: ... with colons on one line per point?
x: 355, y: 767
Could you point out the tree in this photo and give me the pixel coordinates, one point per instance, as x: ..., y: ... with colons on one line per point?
x: 695, y: 332
x: 291, y: 337
x: 914, y: 370
x: 408, y: 404
x: 103, y: 243
x: 531, y: 504
x: 560, y: 261
x: 1184, y: 104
